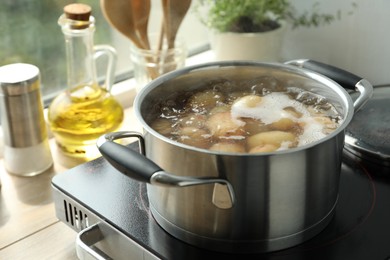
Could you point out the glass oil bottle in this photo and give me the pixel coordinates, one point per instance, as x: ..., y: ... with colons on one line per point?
x: 85, y: 110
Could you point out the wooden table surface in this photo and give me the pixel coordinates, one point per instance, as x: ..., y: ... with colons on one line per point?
x: 29, y: 228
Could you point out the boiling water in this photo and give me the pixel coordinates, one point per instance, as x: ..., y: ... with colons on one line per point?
x: 253, y: 120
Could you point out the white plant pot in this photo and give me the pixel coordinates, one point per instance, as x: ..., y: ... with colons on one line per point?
x: 264, y: 46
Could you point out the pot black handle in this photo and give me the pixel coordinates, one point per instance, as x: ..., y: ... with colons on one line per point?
x: 346, y: 79
x: 136, y: 166
x: 126, y: 160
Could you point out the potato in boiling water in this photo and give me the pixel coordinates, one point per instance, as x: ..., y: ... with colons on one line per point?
x: 266, y: 148
x: 283, y: 124
x: 254, y: 126
x: 328, y: 123
x: 205, y: 100
x: 232, y: 96
x: 249, y: 101
x: 194, y: 136
x: 162, y: 126
x: 195, y: 120
x: 228, y: 147
x: 293, y: 112
x: 224, y: 125
x: 272, y: 137
x: 219, y: 109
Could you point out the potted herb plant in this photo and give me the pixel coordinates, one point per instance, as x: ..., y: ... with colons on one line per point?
x: 254, y: 29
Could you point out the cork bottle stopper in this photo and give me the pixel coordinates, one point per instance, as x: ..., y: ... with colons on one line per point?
x: 78, y: 12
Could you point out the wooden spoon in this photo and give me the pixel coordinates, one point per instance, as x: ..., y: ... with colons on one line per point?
x: 174, y: 13
x: 119, y: 14
x: 141, y: 12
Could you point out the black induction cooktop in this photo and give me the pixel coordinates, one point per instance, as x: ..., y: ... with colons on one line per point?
x: 360, y: 228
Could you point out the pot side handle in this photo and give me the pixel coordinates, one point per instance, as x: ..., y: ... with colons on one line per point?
x: 346, y: 79
x: 136, y: 166
x: 129, y: 162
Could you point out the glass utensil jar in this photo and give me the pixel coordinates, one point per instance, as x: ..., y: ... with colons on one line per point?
x: 86, y: 110
x: 156, y: 61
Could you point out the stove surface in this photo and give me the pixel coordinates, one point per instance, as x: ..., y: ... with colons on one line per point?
x: 360, y: 228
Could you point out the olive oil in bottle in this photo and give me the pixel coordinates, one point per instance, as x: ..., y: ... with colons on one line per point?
x: 85, y: 110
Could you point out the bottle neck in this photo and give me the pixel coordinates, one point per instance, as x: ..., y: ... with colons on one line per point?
x: 81, y: 71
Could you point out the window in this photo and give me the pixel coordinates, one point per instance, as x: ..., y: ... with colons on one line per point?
x: 29, y: 33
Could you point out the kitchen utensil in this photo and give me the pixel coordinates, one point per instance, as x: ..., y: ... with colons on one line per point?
x: 174, y: 13
x: 120, y: 15
x: 239, y: 202
x: 141, y: 12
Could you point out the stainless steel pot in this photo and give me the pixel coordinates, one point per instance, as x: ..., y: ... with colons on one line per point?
x: 239, y: 202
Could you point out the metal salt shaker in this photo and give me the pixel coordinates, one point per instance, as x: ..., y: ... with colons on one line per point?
x: 26, y: 146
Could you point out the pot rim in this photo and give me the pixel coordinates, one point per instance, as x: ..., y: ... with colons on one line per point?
x: 334, y: 86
